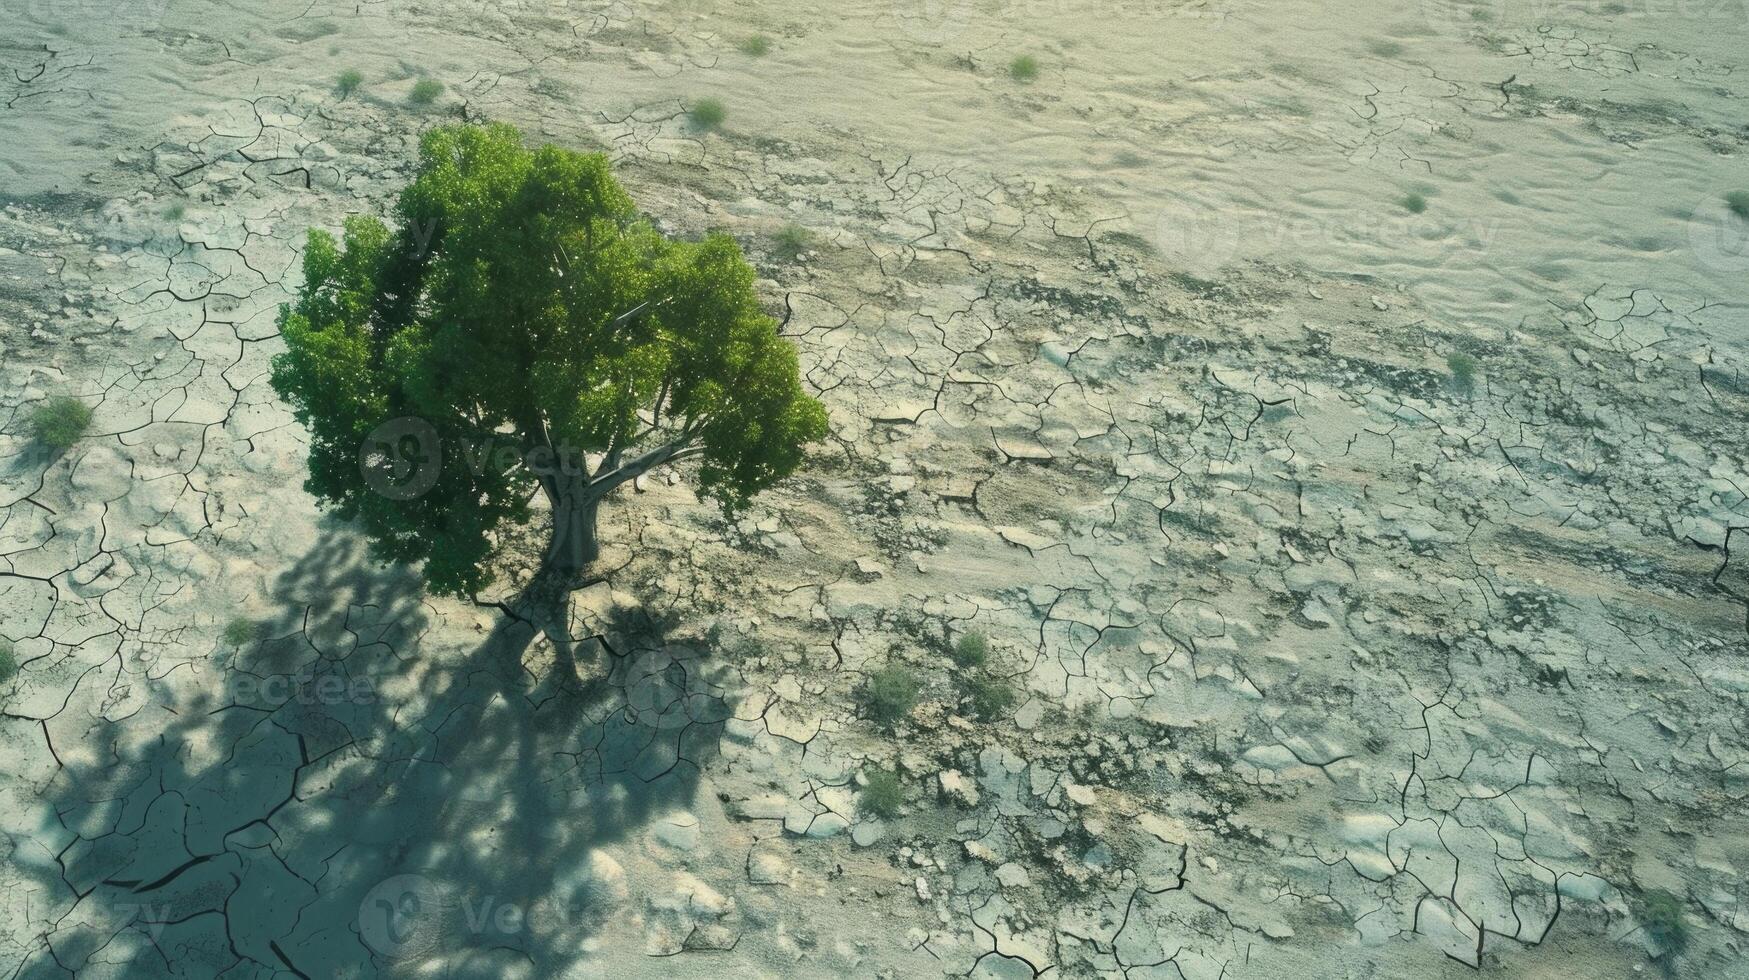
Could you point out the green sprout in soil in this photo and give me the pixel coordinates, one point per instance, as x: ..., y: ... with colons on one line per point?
x: 425, y: 91
x: 883, y: 794
x: 60, y: 422
x: 971, y: 650
x: 889, y: 695
x: 706, y: 114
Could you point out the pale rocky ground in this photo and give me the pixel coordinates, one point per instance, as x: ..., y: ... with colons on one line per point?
x: 1332, y: 665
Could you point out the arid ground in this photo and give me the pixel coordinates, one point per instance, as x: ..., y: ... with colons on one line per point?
x: 1334, y: 414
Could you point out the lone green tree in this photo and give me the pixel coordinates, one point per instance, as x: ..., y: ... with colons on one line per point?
x: 521, y: 330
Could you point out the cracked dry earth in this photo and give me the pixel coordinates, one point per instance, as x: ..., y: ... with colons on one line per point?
x: 1373, y: 588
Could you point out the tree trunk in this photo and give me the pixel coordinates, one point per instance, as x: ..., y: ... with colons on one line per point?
x: 574, y: 544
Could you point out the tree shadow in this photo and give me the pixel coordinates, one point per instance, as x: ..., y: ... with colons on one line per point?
x: 358, y: 794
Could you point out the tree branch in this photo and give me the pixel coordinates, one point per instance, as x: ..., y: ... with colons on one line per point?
x: 604, y: 482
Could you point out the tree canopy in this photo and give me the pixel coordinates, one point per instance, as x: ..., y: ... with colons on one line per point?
x: 519, y: 330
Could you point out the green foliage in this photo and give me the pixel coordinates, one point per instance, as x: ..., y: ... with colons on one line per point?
x: 1661, y: 914
x: 883, y: 794
x: 175, y: 212
x: 1463, y: 369
x: 8, y: 662
x: 755, y: 46
x: 889, y: 694
x: 791, y: 241
x: 425, y: 92
x: 1738, y: 202
x: 352, y: 78
x: 706, y: 114
x: 60, y: 422
x: 971, y: 650
x: 520, y: 302
x: 240, y: 631
x: 990, y: 697
x: 1414, y: 203
x: 1023, y: 68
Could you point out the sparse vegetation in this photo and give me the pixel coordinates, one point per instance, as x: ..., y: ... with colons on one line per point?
x: 60, y: 422
x: 991, y: 697
x: 8, y: 662
x: 175, y: 212
x: 791, y: 241
x: 1738, y: 202
x: 425, y: 91
x: 1661, y: 913
x: 883, y: 794
x: 755, y: 46
x: 889, y: 694
x: 1023, y: 68
x: 971, y: 650
x: 240, y: 631
x: 1463, y: 369
x: 1414, y: 203
x: 706, y: 114
x: 350, y: 80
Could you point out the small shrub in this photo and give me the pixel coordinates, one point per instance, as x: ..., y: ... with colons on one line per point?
x: 991, y: 697
x: 1023, y: 68
x: 1661, y: 913
x: 756, y: 46
x: 175, y: 212
x: 971, y: 650
x: 352, y: 78
x: 791, y: 241
x: 706, y: 114
x: 8, y: 662
x: 60, y: 422
x: 889, y: 695
x: 425, y: 91
x: 1414, y: 203
x: 1738, y: 202
x: 1463, y: 370
x: 883, y: 795
x: 240, y: 631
